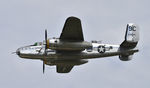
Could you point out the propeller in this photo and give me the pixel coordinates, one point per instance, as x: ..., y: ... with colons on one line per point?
x: 45, y: 50
x: 46, y: 47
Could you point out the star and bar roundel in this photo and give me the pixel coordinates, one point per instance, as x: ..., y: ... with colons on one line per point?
x: 101, y: 49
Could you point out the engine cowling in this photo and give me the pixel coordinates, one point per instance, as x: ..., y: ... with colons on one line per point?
x: 67, y: 62
x: 125, y: 57
x: 56, y: 44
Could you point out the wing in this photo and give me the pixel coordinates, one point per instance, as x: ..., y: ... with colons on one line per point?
x: 64, y: 68
x: 72, y: 30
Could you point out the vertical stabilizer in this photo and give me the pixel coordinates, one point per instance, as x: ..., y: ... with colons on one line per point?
x: 131, y: 36
x: 130, y: 42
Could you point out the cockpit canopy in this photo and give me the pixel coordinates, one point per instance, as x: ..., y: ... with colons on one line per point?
x: 37, y: 44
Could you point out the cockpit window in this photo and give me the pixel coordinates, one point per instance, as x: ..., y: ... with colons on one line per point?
x: 89, y: 49
x: 37, y: 44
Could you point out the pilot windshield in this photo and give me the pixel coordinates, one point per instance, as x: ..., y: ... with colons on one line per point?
x: 37, y: 44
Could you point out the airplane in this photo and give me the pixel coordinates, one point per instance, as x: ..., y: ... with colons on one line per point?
x: 70, y: 49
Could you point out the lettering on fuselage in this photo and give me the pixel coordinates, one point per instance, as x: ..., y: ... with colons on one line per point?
x: 132, y: 28
x: 132, y: 33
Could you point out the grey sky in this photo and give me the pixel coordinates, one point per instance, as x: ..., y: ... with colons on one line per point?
x: 22, y: 22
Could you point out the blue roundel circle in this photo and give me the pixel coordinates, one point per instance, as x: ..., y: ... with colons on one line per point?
x: 101, y: 49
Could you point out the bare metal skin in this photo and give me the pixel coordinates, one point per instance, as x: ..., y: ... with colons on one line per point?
x: 70, y: 49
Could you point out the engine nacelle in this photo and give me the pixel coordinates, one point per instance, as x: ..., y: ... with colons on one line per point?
x: 67, y: 62
x: 56, y: 44
x: 125, y: 57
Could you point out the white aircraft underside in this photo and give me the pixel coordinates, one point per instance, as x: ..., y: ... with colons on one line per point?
x: 70, y: 49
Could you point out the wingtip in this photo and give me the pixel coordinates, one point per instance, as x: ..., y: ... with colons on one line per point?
x: 73, y: 18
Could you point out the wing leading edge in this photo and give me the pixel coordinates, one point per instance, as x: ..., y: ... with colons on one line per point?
x: 72, y: 30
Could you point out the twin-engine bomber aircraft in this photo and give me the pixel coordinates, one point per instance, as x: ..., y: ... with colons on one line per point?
x: 70, y: 49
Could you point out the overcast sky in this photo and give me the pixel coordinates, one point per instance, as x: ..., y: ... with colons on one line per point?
x: 22, y: 22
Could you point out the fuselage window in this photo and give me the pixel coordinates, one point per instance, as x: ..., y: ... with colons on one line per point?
x: 89, y: 49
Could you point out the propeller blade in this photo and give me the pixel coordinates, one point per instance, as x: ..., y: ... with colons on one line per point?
x: 46, y: 38
x: 43, y: 67
x: 45, y: 42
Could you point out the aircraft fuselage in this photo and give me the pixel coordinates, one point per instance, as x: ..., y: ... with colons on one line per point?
x: 95, y: 51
